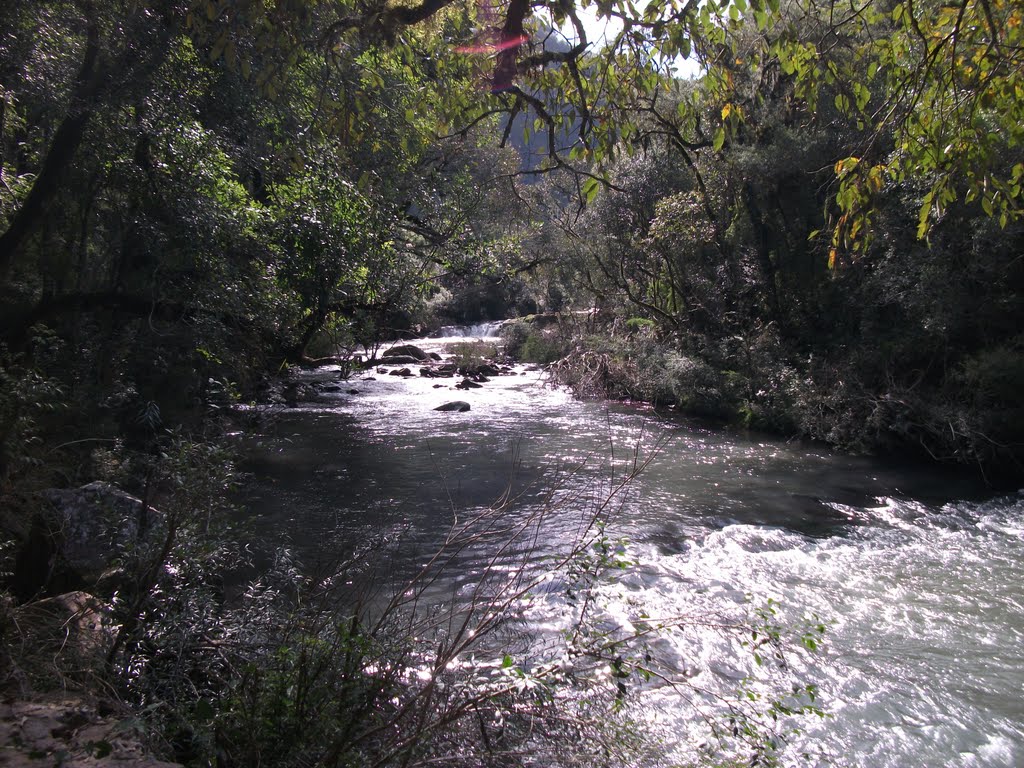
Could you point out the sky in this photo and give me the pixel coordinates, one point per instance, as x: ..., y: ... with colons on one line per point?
x: 600, y: 31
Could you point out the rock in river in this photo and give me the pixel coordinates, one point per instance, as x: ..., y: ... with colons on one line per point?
x: 456, y: 405
x: 407, y: 350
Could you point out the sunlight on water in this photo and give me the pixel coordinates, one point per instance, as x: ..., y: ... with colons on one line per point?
x: 917, y: 580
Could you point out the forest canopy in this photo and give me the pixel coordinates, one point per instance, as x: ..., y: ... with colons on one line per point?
x: 244, y: 181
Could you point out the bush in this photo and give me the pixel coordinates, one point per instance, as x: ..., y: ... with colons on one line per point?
x: 698, y: 389
x: 640, y: 325
x: 525, y: 342
x: 28, y: 399
x: 514, y: 334
x: 470, y: 355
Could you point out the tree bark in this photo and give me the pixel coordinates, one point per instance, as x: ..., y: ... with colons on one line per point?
x: 764, y: 249
x: 512, y: 37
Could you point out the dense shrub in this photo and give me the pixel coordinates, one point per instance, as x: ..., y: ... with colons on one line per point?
x: 698, y: 388
x: 528, y: 342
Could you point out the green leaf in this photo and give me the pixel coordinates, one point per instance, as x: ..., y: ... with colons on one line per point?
x: 719, y: 140
x: 204, y: 710
x: 101, y: 749
x: 923, y: 214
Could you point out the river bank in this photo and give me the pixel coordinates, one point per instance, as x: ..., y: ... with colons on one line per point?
x: 764, y: 382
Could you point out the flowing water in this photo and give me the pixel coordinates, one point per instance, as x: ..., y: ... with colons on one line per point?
x: 915, y: 572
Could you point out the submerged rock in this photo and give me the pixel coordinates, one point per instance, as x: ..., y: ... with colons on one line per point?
x: 461, y: 406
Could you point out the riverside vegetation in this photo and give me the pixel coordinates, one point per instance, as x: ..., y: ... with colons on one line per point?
x: 818, y: 233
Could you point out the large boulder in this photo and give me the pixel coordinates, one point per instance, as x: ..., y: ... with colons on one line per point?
x: 72, y: 540
x: 407, y: 350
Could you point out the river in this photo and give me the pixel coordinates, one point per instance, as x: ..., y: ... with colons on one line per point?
x: 914, y: 572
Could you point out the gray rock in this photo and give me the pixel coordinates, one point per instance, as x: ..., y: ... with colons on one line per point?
x: 87, y: 527
x: 295, y: 392
x: 461, y: 406
x: 406, y: 350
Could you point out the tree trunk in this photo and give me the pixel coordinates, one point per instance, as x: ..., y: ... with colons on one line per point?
x: 59, y: 157
x: 764, y: 248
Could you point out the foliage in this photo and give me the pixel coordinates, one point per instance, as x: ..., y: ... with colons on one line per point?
x: 529, y: 342
x: 818, y: 234
x: 27, y: 398
x: 472, y: 354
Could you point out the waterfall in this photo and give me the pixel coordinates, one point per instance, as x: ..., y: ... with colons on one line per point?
x: 488, y: 329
